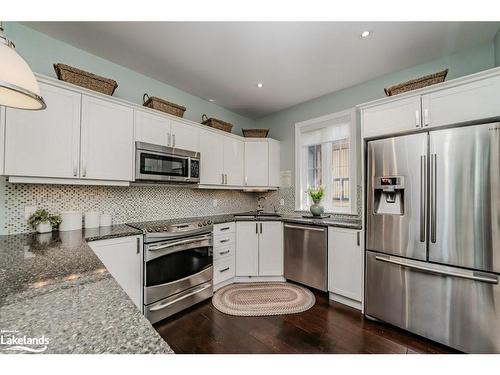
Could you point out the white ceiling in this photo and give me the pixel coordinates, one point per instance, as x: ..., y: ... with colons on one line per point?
x: 296, y: 61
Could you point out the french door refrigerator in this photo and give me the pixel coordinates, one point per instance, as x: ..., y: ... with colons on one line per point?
x: 433, y: 235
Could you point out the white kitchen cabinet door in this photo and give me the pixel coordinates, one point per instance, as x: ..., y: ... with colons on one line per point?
x: 2, y: 140
x: 247, y: 248
x: 211, y: 158
x: 345, y: 268
x: 270, y: 248
x: 151, y: 128
x: 474, y: 101
x: 107, y: 141
x: 256, y: 163
x: 274, y: 164
x: 234, y: 153
x: 44, y: 143
x: 184, y: 136
x: 123, y: 259
x: 395, y: 117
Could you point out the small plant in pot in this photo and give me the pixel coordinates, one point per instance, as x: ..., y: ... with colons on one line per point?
x: 316, y: 195
x: 42, y: 222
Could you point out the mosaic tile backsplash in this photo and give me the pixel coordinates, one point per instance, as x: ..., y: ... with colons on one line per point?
x: 125, y: 204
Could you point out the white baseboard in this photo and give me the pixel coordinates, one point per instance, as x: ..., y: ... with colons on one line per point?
x: 345, y: 301
x: 258, y: 279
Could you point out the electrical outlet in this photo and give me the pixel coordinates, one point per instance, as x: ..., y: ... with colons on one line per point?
x: 215, y: 202
x: 28, y: 211
x: 282, y: 202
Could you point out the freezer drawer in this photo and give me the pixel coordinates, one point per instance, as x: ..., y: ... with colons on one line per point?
x: 455, y: 307
x: 306, y: 255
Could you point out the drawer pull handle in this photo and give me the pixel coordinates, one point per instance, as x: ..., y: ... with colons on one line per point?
x: 223, y: 241
x: 224, y: 252
x: 225, y: 228
x: 224, y: 269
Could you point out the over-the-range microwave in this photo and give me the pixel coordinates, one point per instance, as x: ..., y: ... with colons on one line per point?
x: 155, y: 163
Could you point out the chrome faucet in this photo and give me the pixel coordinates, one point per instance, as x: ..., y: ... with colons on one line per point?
x: 259, y: 204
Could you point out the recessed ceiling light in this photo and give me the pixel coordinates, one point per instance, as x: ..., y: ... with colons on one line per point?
x: 211, y: 100
x: 260, y: 85
x: 365, y: 34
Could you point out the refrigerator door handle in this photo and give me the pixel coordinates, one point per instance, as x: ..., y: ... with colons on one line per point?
x: 423, y: 203
x: 464, y: 275
x: 433, y: 196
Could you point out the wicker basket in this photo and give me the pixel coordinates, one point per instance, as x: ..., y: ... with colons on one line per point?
x: 85, y: 79
x: 418, y: 83
x: 216, y: 124
x: 162, y: 105
x: 255, y: 133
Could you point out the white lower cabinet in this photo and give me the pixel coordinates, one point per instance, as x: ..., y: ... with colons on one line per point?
x: 124, y: 260
x: 224, y: 247
x: 259, y: 248
x: 345, y: 266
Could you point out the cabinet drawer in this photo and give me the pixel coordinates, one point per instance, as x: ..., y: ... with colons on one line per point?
x: 223, y: 270
x: 223, y: 240
x: 223, y: 228
x: 224, y: 251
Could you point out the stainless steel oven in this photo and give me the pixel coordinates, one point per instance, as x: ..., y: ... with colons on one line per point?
x: 178, y: 274
x: 154, y: 163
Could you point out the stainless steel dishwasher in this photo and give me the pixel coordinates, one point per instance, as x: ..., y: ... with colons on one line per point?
x: 306, y: 255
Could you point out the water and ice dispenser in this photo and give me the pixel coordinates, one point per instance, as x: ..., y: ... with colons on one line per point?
x: 389, y: 195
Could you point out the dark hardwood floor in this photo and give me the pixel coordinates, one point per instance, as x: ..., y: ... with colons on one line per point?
x: 328, y: 327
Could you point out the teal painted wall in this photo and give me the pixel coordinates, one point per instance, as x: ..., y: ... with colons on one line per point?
x: 496, y: 42
x: 42, y: 51
x: 281, y: 123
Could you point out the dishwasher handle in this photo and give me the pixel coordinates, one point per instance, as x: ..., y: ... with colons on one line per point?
x: 303, y: 227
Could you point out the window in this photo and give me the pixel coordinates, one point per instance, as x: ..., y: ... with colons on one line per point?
x: 324, y: 156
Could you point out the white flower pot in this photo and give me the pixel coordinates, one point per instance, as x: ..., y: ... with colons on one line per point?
x: 44, y: 227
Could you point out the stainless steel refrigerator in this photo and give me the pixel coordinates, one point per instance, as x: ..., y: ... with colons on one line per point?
x: 433, y: 235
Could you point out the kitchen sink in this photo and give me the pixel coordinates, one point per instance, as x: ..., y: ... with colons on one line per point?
x: 258, y: 214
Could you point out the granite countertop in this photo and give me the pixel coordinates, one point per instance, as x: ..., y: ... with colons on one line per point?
x: 53, y: 286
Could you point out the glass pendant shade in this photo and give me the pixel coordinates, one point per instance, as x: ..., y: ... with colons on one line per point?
x: 18, y: 85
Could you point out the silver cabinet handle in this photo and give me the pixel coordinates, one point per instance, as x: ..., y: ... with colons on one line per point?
x: 433, y: 196
x: 224, y: 241
x: 75, y: 167
x: 358, y: 239
x: 222, y: 175
x: 138, y: 245
x: 168, y: 139
x: 224, y: 252
x: 165, y: 305
x: 417, y: 118
x: 256, y: 228
x: 173, y: 140
x: 224, y: 269
x: 225, y: 228
x: 463, y: 275
x: 304, y: 227
x: 84, y: 168
x: 225, y: 176
x: 261, y: 228
x: 423, y: 203
x: 426, y: 117
x: 246, y: 180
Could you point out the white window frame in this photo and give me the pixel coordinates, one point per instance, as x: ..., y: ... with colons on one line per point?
x: 314, y: 124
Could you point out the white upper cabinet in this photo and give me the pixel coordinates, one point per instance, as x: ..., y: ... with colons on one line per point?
x: 151, y: 128
x: 211, y: 158
x: 44, y: 143
x: 469, y: 102
x: 107, y: 141
x: 234, y: 153
x: 392, y: 118
x: 270, y: 248
x: 256, y: 163
x: 274, y: 164
x: 184, y: 136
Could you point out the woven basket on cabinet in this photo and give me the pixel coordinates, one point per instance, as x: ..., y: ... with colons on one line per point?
x: 255, y: 133
x: 85, y: 79
x: 216, y: 124
x: 417, y: 83
x: 162, y: 105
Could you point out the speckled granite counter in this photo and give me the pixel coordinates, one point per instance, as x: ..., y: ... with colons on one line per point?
x: 53, y: 287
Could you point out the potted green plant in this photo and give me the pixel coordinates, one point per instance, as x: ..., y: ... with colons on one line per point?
x: 42, y: 222
x: 316, y: 195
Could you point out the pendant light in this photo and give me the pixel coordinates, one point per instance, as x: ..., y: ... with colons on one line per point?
x: 18, y: 85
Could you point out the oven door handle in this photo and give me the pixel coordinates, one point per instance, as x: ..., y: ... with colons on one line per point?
x: 165, y: 305
x: 181, y: 242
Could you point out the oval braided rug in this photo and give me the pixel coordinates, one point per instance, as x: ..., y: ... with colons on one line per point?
x: 261, y: 299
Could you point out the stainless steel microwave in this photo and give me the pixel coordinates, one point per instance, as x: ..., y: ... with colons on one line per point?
x: 155, y: 163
